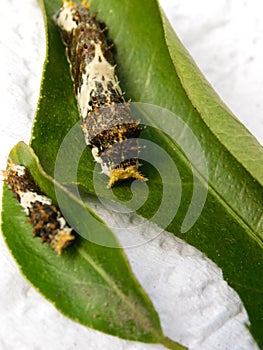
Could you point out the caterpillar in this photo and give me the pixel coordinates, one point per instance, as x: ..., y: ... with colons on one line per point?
x: 44, y: 216
x: 107, y: 123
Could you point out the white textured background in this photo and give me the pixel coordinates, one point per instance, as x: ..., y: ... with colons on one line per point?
x: 195, y: 305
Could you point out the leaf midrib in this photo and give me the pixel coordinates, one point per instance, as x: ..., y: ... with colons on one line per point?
x: 143, y: 321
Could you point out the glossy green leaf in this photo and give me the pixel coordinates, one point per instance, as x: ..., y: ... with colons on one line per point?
x: 91, y: 283
x: 154, y: 68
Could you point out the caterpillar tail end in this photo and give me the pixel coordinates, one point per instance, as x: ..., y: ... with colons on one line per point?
x: 120, y: 174
x: 62, y: 239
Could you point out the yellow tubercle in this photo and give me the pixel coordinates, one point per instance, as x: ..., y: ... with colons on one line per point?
x: 61, y: 240
x: 68, y: 2
x: 86, y: 3
x: 124, y: 174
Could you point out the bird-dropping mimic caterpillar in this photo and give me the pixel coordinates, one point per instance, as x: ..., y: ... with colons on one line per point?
x: 44, y: 216
x: 108, y: 126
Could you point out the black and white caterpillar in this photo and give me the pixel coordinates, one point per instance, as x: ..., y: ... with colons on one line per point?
x: 44, y: 216
x: 108, y: 126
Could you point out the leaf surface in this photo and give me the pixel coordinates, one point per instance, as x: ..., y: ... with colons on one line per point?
x: 91, y: 283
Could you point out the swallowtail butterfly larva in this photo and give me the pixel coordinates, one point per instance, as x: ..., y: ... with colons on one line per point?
x: 47, y: 221
x: 107, y: 123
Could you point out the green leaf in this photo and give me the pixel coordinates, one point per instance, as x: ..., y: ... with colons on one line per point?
x: 153, y: 67
x: 91, y: 283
